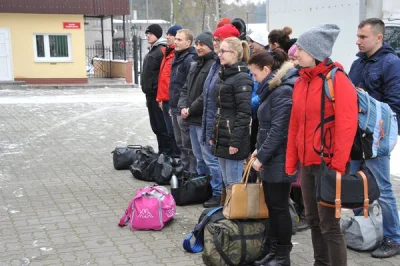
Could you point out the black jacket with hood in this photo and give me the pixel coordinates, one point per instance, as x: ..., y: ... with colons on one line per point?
x: 275, y: 93
x: 151, y: 69
x: 232, y: 123
x: 192, y: 92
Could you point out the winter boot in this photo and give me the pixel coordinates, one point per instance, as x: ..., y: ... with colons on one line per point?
x: 282, y: 256
x: 272, y: 243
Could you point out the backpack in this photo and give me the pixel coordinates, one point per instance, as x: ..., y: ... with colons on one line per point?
x: 377, y: 123
x: 150, y: 209
x: 143, y: 165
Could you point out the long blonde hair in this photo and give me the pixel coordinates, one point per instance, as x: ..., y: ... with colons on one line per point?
x: 240, y: 47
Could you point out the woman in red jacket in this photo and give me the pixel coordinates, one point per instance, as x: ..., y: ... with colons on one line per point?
x: 304, y: 139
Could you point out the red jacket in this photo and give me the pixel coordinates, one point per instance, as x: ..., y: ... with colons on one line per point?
x: 304, y: 137
x: 165, y: 74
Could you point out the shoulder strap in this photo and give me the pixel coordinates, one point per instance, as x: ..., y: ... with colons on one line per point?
x: 328, y: 83
x: 198, y: 244
x: 127, y: 215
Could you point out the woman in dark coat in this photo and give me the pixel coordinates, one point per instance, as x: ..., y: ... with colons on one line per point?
x: 231, y: 134
x: 277, y: 77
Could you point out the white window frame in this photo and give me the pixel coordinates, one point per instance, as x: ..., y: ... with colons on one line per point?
x: 47, y: 57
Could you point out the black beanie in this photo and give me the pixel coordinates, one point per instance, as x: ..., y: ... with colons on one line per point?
x: 155, y: 29
x: 205, y: 37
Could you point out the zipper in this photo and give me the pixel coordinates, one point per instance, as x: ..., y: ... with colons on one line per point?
x: 229, y: 128
x: 199, y: 177
x: 305, y: 123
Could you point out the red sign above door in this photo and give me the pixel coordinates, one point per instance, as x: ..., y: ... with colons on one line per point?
x: 72, y: 25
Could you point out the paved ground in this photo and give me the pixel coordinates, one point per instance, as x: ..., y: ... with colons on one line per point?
x: 61, y: 199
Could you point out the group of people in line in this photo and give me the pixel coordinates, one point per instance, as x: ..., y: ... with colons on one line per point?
x: 220, y: 98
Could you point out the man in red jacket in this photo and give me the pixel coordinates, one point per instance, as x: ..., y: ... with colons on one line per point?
x: 163, y: 88
x: 304, y: 137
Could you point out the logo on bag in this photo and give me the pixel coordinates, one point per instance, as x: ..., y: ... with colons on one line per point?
x: 145, y: 214
x: 170, y: 213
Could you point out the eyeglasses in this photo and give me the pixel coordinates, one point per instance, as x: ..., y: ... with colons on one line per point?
x: 222, y: 51
x: 216, y: 40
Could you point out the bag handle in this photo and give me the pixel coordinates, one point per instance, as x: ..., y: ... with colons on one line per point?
x: 247, y: 170
x: 366, y: 199
x: 198, y: 244
x: 127, y: 215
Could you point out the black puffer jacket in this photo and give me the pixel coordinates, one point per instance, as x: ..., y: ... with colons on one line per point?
x: 275, y: 94
x: 151, y: 68
x: 192, y: 91
x: 233, y: 97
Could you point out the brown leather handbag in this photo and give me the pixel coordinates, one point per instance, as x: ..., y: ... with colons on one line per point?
x: 245, y: 200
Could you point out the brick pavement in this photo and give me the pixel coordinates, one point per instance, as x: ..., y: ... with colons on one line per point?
x: 61, y: 199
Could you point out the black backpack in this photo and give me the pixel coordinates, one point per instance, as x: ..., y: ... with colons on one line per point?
x: 143, y: 165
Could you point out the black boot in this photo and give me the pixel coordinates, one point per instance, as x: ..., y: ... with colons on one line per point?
x: 272, y: 243
x: 282, y: 256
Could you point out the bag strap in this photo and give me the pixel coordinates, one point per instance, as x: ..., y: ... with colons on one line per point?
x: 376, y: 224
x: 127, y: 215
x: 247, y: 171
x: 338, y: 195
x: 226, y: 259
x: 198, y: 244
x: 366, y: 200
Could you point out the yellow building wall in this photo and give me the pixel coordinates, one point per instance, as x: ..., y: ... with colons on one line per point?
x: 22, y: 29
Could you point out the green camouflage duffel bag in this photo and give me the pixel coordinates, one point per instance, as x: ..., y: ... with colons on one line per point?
x: 235, y: 242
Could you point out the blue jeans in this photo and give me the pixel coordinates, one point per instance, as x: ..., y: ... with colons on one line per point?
x: 207, y: 163
x: 380, y: 168
x: 232, y: 171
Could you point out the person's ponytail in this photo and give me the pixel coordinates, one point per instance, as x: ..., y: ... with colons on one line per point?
x: 246, y: 51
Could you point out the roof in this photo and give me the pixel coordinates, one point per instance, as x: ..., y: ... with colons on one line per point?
x: 84, y: 7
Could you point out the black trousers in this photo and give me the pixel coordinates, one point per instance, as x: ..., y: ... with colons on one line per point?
x: 158, y: 126
x: 280, y: 223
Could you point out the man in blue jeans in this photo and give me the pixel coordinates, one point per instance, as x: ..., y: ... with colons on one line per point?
x: 191, y: 105
x: 377, y: 70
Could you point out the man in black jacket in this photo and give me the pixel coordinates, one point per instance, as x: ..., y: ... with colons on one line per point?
x: 191, y: 106
x: 149, y: 84
x: 184, y: 52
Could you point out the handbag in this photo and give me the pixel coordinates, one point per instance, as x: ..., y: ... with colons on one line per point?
x: 362, y: 233
x: 349, y: 191
x: 245, y: 200
x: 123, y: 157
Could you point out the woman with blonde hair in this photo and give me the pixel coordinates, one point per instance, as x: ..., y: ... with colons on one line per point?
x: 231, y: 136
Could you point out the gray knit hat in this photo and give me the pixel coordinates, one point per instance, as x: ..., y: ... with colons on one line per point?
x: 205, y: 37
x: 319, y: 40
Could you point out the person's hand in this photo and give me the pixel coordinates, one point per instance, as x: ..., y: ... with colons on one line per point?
x: 254, y: 154
x: 211, y: 142
x: 257, y: 165
x: 184, y: 113
x: 169, y: 112
x: 233, y: 150
x: 160, y: 105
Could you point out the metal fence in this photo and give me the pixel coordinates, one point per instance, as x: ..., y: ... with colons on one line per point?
x: 98, y: 62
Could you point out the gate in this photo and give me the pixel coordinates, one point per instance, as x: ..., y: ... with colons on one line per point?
x: 98, y: 62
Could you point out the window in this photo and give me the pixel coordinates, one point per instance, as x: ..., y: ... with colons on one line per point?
x: 52, y: 47
x: 392, y: 37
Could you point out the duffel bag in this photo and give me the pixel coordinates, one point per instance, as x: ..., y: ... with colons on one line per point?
x: 143, y: 166
x: 235, y: 242
x: 123, y: 156
x: 192, y: 190
x: 165, y: 167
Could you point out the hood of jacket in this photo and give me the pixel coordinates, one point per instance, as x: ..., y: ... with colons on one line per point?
x: 285, y: 75
x: 385, y: 49
x: 201, y: 59
x: 181, y: 55
x: 162, y: 41
x: 231, y: 70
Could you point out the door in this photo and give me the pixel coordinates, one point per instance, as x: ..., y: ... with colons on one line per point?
x: 6, y: 73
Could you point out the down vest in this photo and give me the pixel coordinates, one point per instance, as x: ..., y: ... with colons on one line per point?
x: 273, y: 114
x: 304, y: 139
x: 232, y: 125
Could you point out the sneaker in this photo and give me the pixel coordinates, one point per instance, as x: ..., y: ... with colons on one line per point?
x: 302, y: 225
x: 387, y: 249
x: 213, y: 202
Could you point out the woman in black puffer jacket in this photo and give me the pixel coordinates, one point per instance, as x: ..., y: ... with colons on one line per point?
x: 277, y: 77
x: 231, y: 135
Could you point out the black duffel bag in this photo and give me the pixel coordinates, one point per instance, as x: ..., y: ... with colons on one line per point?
x: 192, y: 190
x: 123, y: 156
x: 165, y: 167
x: 143, y: 165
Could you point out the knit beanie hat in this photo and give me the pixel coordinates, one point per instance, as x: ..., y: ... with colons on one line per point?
x: 206, y: 38
x: 319, y: 40
x: 226, y: 31
x: 172, y: 31
x: 223, y: 21
x: 155, y: 29
x: 292, y: 50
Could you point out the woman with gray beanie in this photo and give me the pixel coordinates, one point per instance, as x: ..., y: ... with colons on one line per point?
x: 304, y: 137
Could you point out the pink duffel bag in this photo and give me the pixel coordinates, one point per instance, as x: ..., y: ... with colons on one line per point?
x: 150, y: 209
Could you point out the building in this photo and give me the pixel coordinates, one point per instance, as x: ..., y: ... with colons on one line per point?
x: 44, y: 41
